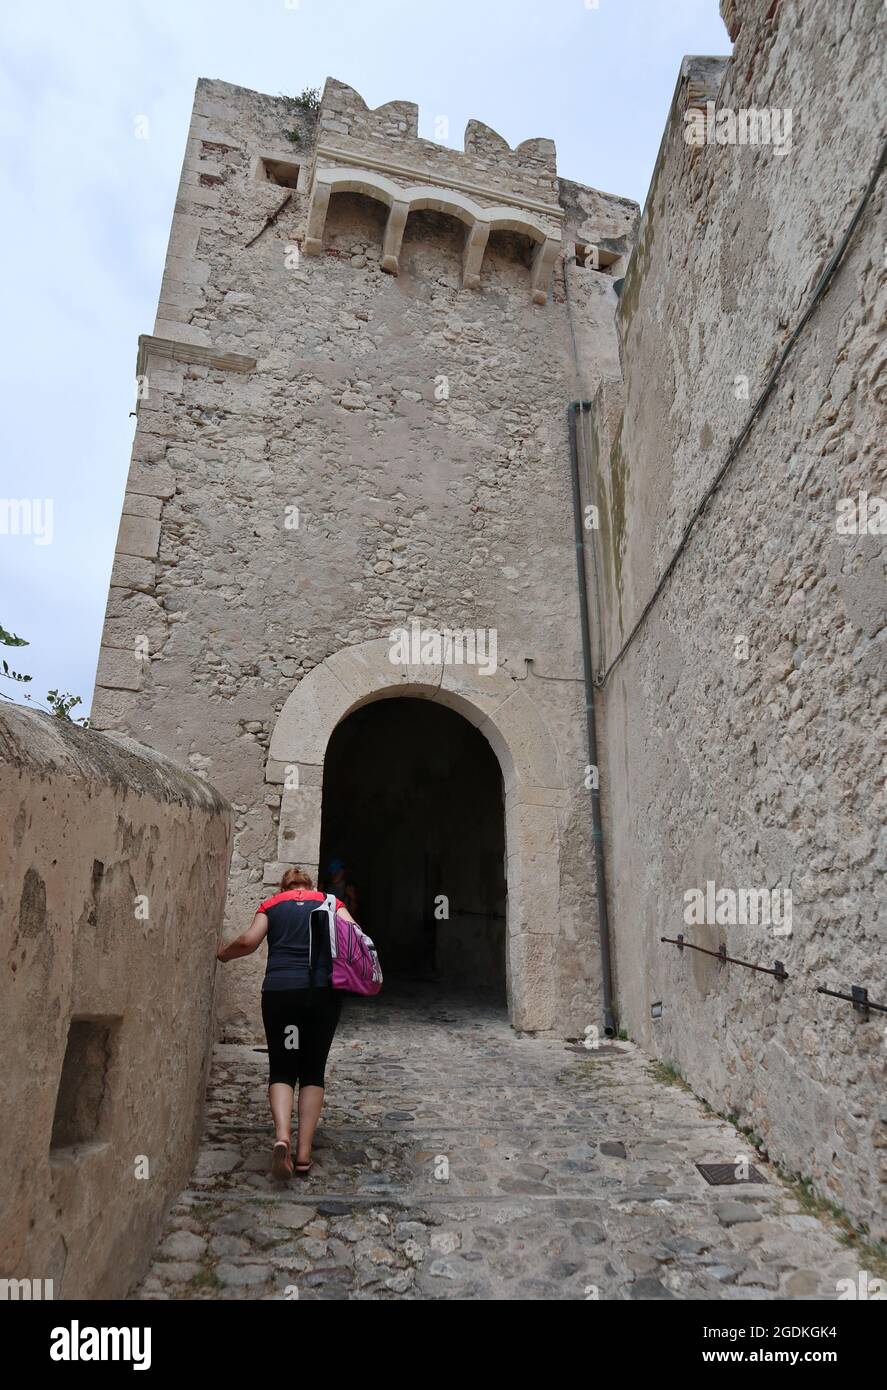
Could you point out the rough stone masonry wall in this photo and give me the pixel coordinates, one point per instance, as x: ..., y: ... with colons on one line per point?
x: 113, y: 865
x: 765, y: 772
x: 455, y: 510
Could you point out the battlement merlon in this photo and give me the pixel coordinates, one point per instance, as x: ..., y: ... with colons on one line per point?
x: 488, y: 185
x: 389, y: 135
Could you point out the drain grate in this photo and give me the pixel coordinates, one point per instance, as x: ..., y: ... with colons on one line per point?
x: 724, y: 1174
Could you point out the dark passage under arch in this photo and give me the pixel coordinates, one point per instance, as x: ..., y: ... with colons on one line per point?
x: 413, y: 802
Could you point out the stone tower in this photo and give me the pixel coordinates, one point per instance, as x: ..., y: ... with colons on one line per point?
x: 345, y: 587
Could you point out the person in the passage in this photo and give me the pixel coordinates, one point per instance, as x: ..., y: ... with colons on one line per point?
x: 300, y: 1010
x: 338, y: 881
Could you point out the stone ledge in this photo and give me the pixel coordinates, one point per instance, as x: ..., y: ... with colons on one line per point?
x: 432, y: 176
x: 178, y: 351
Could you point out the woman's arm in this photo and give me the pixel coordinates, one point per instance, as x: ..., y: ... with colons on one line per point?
x: 249, y: 941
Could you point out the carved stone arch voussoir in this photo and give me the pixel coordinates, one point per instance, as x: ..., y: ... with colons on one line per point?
x: 330, y: 181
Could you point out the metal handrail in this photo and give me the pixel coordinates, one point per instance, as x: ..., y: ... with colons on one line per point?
x: 778, y: 970
x: 858, y: 997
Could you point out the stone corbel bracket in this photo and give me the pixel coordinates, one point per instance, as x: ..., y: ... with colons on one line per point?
x: 177, y: 351
x: 401, y: 201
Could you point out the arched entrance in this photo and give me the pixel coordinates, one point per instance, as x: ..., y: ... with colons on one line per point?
x: 413, y: 802
x: 500, y: 709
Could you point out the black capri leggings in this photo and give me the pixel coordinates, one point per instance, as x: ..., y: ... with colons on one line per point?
x: 299, y: 1026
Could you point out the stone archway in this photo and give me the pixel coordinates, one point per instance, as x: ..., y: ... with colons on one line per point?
x: 534, y: 791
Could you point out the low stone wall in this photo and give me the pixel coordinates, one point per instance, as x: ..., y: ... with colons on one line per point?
x: 113, y: 864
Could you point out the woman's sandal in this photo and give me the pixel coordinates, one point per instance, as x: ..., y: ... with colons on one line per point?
x: 281, y: 1160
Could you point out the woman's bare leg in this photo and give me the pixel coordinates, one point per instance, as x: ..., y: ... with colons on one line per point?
x: 310, y: 1106
x: 281, y: 1097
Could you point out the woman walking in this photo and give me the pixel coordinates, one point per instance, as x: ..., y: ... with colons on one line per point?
x: 300, y: 1010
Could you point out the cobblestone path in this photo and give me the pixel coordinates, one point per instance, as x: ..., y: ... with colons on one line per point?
x: 458, y: 1160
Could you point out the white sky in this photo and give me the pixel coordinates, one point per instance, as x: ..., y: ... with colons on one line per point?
x: 87, y: 206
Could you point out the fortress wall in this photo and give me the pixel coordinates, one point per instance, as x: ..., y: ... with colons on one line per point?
x: 112, y: 878
x: 761, y: 771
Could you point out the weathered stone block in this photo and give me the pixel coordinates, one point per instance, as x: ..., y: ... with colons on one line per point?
x: 133, y: 572
x: 119, y: 669
x: 138, y: 535
x: 140, y: 504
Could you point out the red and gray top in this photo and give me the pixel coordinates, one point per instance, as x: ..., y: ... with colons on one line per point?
x: 289, y: 934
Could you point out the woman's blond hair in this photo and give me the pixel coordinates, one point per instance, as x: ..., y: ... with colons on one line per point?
x: 295, y: 878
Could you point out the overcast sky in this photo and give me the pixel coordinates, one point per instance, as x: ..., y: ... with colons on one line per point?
x: 87, y: 206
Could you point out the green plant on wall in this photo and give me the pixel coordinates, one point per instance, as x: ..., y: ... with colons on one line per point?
x: 306, y: 105
x: 59, y: 702
x: 9, y: 639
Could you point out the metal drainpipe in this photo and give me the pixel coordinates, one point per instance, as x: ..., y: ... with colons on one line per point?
x: 597, y: 833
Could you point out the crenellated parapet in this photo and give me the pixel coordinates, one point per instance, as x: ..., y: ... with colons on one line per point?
x: 488, y: 186
x: 344, y: 119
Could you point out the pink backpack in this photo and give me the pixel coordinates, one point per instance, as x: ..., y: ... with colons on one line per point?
x: 356, y: 965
